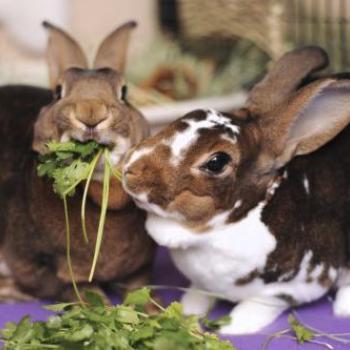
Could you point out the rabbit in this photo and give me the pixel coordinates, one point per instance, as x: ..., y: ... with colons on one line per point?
x: 253, y: 205
x: 85, y: 104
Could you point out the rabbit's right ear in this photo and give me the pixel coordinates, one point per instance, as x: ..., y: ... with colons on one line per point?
x: 284, y: 77
x: 113, y: 49
x: 313, y: 117
x: 63, y: 52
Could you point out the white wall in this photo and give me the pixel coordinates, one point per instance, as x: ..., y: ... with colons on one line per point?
x: 23, y: 40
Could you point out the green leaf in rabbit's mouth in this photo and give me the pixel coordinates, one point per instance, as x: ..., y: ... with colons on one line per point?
x: 68, y: 164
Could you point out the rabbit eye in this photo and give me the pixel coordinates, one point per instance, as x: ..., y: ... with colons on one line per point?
x: 124, y: 93
x: 217, y: 163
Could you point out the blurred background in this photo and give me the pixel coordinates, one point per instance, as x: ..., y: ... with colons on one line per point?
x: 184, y: 53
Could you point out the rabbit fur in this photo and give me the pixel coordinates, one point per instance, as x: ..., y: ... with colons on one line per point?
x: 254, y: 205
x: 85, y: 104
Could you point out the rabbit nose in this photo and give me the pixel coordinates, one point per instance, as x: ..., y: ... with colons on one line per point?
x: 91, y: 123
x: 132, y: 176
x: 91, y: 113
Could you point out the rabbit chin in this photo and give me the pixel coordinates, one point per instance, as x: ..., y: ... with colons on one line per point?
x: 141, y: 200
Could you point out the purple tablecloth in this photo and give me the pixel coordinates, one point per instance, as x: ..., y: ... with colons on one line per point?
x: 319, y: 314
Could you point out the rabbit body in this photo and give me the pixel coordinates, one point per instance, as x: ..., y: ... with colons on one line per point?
x: 253, y: 205
x: 289, y: 250
x: 85, y: 104
x: 32, y: 222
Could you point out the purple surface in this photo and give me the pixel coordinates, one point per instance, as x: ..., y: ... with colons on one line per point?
x: 318, y: 314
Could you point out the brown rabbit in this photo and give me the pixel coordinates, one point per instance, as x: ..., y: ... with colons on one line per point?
x: 254, y: 206
x: 88, y: 104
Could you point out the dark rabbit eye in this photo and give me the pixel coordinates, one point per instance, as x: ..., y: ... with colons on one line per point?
x: 124, y: 93
x: 58, y: 92
x: 217, y: 163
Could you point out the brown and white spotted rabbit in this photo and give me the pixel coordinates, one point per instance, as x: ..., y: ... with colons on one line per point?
x: 254, y: 206
x: 88, y: 104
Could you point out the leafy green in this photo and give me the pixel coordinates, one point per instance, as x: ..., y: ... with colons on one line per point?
x: 140, y: 297
x: 302, y: 333
x: 68, y: 164
x: 217, y: 323
x: 101, y: 327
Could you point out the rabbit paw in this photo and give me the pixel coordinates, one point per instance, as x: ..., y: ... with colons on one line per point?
x: 251, y: 316
x: 10, y: 292
x: 196, y: 303
x: 341, y: 306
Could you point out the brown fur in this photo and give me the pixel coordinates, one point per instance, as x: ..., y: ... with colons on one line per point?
x: 33, y: 226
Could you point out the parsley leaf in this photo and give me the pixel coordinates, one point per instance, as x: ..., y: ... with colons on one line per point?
x: 217, y: 323
x: 100, y: 327
x: 302, y: 333
x: 68, y: 164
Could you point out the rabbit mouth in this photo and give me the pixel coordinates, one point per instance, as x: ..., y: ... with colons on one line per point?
x: 107, y: 139
x: 142, y: 201
x: 117, y: 145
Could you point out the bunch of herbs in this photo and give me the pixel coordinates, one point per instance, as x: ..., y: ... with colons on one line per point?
x: 123, y: 327
x: 68, y: 164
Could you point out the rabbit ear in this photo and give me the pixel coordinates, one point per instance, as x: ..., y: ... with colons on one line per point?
x: 312, y: 118
x: 284, y: 77
x: 63, y: 52
x: 113, y: 49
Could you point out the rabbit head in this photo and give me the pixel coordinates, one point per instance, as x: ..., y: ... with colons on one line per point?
x: 89, y: 104
x: 209, y: 168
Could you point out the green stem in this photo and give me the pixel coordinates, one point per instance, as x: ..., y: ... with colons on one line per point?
x: 160, y: 307
x: 105, y: 195
x: 87, y: 185
x: 66, y: 192
x: 115, y: 173
x: 68, y: 251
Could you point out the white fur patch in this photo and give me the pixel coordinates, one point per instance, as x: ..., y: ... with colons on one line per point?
x: 136, y: 155
x: 141, y: 200
x: 4, y: 269
x: 118, y: 152
x: 65, y: 137
x: 341, y: 306
x: 122, y: 145
x: 196, y: 303
x: 343, y: 277
x: 219, y: 220
x: 233, y: 250
x: 273, y: 187
x: 237, y: 204
x: 182, y: 140
x: 251, y: 316
x: 306, y: 184
x: 216, y: 259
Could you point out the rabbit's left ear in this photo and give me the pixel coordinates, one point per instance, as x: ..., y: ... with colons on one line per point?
x: 63, y: 52
x: 284, y: 78
x: 113, y: 49
x: 312, y: 118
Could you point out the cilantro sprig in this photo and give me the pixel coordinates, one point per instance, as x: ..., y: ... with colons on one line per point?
x: 302, y: 333
x: 123, y: 327
x: 68, y: 164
